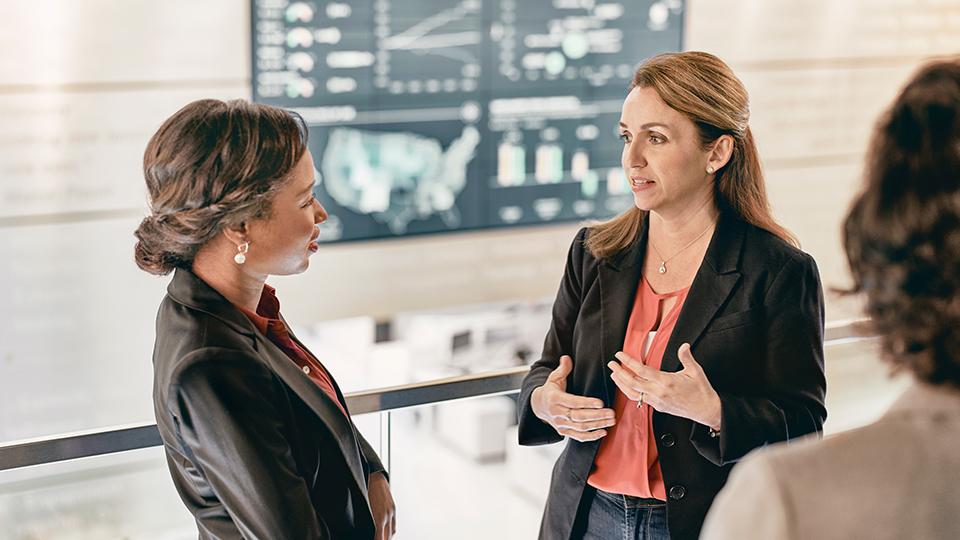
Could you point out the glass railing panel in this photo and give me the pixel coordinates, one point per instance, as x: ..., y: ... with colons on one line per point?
x: 118, y: 495
x: 461, y: 459
x: 124, y: 495
x: 458, y: 472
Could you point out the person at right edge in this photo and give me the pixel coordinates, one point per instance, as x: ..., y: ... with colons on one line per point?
x: 687, y: 331
x: 896, y: 478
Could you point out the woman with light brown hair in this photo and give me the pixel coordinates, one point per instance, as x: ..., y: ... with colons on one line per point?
x: 686, y: 331
x: 257, y: 434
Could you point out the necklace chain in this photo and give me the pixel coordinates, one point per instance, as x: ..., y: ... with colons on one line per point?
x: 663, y: 262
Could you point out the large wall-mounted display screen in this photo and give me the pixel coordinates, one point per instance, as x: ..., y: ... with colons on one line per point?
x: 441, y: 115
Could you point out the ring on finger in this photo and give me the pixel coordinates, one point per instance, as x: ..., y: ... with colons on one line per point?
x: 640, y: 400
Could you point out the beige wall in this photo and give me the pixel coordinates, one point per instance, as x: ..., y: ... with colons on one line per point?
x: 84, y: 84
x: 819, y: 72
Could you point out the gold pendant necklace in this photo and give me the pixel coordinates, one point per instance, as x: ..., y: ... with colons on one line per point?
x: 663, y: 262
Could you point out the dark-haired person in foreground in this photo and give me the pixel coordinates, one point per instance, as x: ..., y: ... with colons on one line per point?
x: 898, y: 478
x: 257, y: 435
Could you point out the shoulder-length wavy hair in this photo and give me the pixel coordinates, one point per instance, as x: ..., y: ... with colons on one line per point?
x: 902, y: 233
x: 211, y: 165
x: 704, y: 89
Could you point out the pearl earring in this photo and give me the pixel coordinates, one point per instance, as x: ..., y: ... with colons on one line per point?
x: 710, y: 169
x: 241, y: 256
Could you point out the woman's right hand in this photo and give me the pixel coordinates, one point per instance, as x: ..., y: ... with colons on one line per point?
x: 580, y: 418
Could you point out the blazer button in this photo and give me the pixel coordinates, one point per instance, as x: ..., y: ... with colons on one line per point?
x: 677, y: 492
x: 667, y: 439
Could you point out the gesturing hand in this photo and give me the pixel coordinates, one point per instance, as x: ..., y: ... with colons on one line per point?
x: 382, y: 506
x: 580, y: 418
x: 686, y: 393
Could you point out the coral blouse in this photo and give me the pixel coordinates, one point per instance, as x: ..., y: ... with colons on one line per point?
x: 627, y: 461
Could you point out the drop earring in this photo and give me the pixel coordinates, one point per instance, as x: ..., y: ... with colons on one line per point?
x: 241, y: 256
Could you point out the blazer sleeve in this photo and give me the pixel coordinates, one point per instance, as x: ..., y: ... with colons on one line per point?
x: 229, y: 411
x: 559, y: 341
x: 794, y: 385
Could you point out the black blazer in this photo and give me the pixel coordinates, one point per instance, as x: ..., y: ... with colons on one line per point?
x: 255, y: 448
x: 754, y: 319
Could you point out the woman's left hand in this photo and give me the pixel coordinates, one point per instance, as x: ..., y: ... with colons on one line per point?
x: 381, y: 504
x: 686, y: 393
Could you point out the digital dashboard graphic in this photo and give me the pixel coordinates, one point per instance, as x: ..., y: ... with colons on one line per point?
x: 444, y: 115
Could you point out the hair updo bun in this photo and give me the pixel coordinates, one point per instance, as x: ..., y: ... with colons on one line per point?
x: 210, y: 165
x: 154, y: 252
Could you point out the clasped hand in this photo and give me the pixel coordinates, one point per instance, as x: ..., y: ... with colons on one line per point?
x: 686, y: 393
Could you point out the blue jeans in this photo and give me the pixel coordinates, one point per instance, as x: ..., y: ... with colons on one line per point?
x: 609, y: 516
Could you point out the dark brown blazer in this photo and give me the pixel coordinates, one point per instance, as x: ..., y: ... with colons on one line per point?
x: 754, y: 319
x: 255, y: 448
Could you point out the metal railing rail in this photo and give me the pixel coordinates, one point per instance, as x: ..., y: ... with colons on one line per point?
x: 62, y: 447
x: 97, y: 442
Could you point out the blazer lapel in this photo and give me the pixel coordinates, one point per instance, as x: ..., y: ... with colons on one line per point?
x: 336, y: 388
x: 715, y: 280
x: 619, y: 278
x: 321, y: 404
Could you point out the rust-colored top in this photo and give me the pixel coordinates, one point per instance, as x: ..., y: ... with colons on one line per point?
x: 268, y: 322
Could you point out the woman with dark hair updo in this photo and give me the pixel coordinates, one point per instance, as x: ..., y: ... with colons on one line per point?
x: 896, y: 478
x: 687, y: 331
x: 257, y: 435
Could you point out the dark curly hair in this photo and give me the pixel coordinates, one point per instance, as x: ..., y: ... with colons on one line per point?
x: 211, y: 165
x: 902, y: 234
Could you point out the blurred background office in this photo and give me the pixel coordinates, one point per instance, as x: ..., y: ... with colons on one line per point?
x: 460, y: 144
